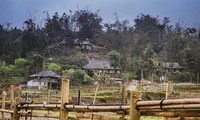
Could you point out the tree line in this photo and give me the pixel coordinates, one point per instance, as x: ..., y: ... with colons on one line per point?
x: 138, y: 45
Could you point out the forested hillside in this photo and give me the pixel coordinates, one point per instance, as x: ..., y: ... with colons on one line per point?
x: 142, y: 44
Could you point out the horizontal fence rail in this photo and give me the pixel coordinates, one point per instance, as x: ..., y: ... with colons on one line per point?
x: 91, y: 108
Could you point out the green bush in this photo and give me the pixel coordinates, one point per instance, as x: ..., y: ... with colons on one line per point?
x: 179, y: 76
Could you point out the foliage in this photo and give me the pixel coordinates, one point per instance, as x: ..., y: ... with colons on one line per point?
x: 21, y: 66
x: 114, y: 58
x: 6, y: 69
x: 77, y: 77
x: 100, y: 77
x: 129, y: 75
x: 36, y: 63
x: 88, y: 23
x: 88, y: 79
x: 54, y: 67
x: 179, y: 76
x: 69, y: 72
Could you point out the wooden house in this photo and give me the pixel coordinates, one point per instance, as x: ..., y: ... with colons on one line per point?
x: 85, y: 45
x: 103, y: 66
x: 172, y: 67
x: 46, y: 78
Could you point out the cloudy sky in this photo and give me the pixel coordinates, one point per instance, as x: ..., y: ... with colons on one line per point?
x: 186, y: 12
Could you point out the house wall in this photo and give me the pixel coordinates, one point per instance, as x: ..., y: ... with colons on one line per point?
x: 35, y: 82
x: 41, y: 82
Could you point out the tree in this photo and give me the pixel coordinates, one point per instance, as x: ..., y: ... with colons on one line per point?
x: 21, y: 66
x: 54, y: 67
x: 6, y: 69
x: 36, y: 63
x: 77, y: 77
x: 88, y: 23
x: 114, y: 58
x: 129, y: 75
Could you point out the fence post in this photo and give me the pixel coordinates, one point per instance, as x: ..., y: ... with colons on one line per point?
x: 167, y: 90
x: 3, y: 103
x: 123, y: 100
x: 15, y: 114
x: 134, y: 113
x: 64, y: 98
x: 79, y: 97
x: 167, y: 93
x: 48, y: 99
x: 11, y: 99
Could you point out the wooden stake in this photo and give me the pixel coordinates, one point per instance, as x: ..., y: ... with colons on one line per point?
x: 3, y: 103
x: 48, y: 99
x: 94, y: 100
x: 123, y: 100
x: 134, y: 113
x: 167, y: 93
x: 167, y: 90
x: 11, y: 99
x: 16, y: 115
x: 95, y: 96
x: 64, y: 98
x: 79, y: 97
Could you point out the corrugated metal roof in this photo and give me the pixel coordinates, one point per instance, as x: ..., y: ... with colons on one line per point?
x: 46, y: 73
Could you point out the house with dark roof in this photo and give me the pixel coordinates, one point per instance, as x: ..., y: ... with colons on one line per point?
x: 103, y: 66
x: 172, y: 67
x: 46, y: 78
x: 85, y: 45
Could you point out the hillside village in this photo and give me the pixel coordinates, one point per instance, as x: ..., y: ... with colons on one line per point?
x: 96, y: 64
x: 89, y: 52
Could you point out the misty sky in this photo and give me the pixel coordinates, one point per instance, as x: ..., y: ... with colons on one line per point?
x: 186, y: 12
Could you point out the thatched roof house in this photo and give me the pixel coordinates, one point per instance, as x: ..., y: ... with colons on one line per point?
x: 45, y: 73
x: 102, y: 65
x: 172, y: 66
x: 45, y: 78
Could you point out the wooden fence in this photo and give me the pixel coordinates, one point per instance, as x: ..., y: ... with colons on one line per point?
x: 136, y: 109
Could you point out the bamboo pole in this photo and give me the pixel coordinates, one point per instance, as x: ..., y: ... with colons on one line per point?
x: 26, y: 99
x: 11, y: 99
x: 84, y: 108
x: 16, y: 115
x: 167, y: 90
x: 64, y: 98
x: 167, y: 93
x: 94, y: 100
x: 134, y: 113
x: 95, y: 96
x: 88, y: 108
x: 123, y: 100
x: 6, y: 111
x: 39, y: 106
x: 179, y: 106
x: 3, y: 104
x: 168, y: 102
